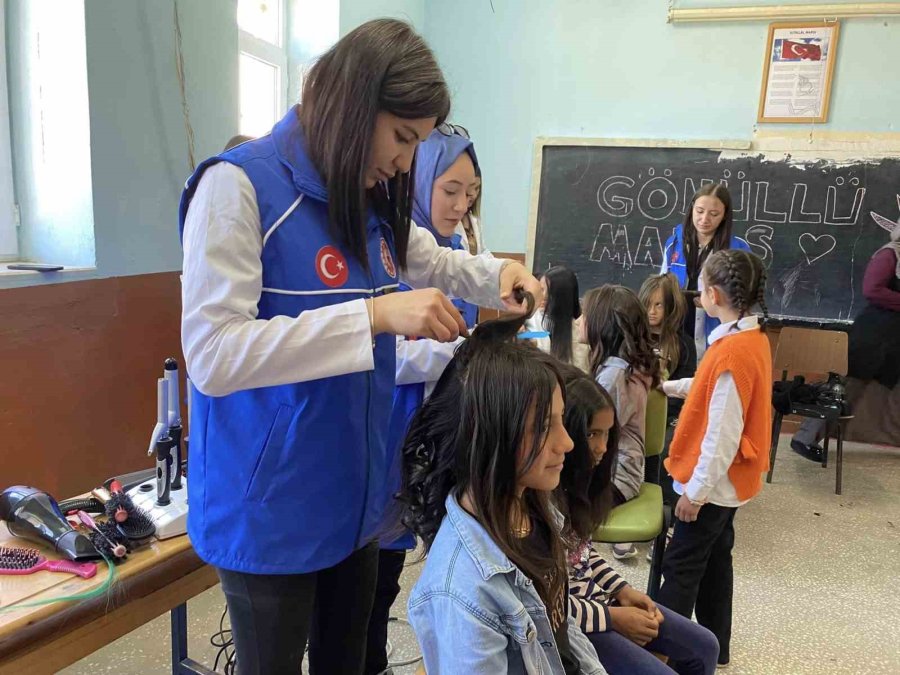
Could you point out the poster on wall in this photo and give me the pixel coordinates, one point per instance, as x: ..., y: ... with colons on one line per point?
x: 799, y: 65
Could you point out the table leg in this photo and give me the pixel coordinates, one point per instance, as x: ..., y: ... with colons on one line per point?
x: 181, y: 663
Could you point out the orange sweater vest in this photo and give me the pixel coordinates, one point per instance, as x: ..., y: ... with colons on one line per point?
x: 748, y: 357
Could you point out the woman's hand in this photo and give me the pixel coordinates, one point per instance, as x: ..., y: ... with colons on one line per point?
x: 514, y: 276
x: 424, y: 313
x: 636, y: 624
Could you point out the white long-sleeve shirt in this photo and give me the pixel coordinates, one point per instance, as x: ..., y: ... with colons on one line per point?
x: 228, y: 349
x: 710, y: 482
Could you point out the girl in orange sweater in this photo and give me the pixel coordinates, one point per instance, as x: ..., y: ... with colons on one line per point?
x: 720, y: 448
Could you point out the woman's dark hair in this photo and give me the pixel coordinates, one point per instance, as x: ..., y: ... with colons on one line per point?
x: 617, y: 325
x: 674, y: 307
x: 741, y: 276
x: 563, y: 307
x: 721, y: 239
x: 466, y: 439
x: 585, y: 492
x: 381, y: 66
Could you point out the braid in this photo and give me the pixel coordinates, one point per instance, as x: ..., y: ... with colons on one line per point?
x: 742, y: 277
x: 736, y: 286
x: 761, y: 290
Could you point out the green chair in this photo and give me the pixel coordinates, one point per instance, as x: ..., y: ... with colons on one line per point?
x: 645, y: 517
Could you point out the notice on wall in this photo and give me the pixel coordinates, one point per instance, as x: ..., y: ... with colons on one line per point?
x: 797, y: 73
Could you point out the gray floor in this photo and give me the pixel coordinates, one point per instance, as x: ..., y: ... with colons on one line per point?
x: 816, y: 580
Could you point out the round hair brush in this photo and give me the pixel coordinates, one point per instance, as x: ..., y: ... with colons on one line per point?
x: 131, y: 520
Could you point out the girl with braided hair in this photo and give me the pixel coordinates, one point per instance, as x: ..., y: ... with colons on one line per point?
x: 720, y: 448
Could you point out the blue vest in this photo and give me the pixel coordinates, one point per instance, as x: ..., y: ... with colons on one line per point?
x: 677, y: 265
x: 408, y: 399
x: 294, y: 478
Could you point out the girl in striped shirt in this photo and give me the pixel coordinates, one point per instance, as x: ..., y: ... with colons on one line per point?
x: 624, y: 625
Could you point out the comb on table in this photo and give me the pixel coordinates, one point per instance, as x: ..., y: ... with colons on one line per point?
x: 29, y: 561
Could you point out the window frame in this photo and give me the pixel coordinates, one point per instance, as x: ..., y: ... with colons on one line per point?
x: 9, y: 218
x: 270, y: 53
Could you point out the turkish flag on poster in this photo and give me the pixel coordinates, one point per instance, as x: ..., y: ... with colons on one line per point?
x: 800, y: 50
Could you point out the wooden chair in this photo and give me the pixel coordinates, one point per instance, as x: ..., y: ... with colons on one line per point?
x: 806, y: 350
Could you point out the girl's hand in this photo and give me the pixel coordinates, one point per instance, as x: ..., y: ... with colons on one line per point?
x: 631, y: 597
x: 685, y: 511
x: 634, y: 623
x: 425, y: 313
x: 513, y: 276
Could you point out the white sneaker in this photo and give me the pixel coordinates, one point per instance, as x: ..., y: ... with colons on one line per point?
x: 624, y: 551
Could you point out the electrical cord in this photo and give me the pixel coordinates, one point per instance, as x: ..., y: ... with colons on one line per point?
x: 224, y: 641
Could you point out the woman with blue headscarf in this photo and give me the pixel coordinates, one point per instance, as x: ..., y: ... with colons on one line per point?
x: 445, y: 182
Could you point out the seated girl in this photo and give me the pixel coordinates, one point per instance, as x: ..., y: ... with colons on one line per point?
x: 481, y: 458
x: 624, y: 625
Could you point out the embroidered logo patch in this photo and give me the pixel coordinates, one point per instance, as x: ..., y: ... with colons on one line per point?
x: 674, y: 257
x: 331, y: 267
x: 387, y: 260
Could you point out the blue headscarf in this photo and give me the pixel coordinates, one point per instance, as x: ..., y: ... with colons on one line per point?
x: 435, y: 155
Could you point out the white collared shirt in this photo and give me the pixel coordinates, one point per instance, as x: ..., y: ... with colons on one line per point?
x: 228, y: 349
x: 725, y: 424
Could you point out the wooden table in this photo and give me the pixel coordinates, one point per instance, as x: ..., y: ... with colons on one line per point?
x: 158, y: 578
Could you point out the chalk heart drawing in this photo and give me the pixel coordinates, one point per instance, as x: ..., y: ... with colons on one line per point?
x: 814, y: 247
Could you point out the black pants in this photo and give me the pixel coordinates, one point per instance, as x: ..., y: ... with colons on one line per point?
x: 387, y: 587
x: 698, y: 572
x: 273, y: 616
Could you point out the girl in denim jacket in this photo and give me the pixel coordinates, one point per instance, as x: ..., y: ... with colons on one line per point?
x: 481, y: 458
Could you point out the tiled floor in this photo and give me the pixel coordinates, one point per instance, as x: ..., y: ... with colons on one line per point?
x: 816, y: 580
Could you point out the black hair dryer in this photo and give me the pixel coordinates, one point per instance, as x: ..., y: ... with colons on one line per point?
x: 34, y: 515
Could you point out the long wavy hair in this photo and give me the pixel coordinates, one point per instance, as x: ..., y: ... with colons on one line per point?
x: 563, y: 307
x: 674, y: 308
x: 383, y: 65
x: 585, y: 493
x: 468, y: 439
x: 617, y: 325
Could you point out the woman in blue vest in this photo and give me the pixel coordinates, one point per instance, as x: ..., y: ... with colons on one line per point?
x: 293, y: 244
x: 707, y: 228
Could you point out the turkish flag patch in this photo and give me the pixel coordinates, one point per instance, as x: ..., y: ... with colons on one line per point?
x: 331, y: 266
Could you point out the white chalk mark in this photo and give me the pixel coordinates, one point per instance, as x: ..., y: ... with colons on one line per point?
x: 658, y: 186
x: 649, y: 250
x: 831, y: 217
x: 743, y: 213
x: 812, y: 249
x: 760, y: 239
x: 761, y: 212
x: 799, y: 214
x: 612, y: 244
x: 615, y: 205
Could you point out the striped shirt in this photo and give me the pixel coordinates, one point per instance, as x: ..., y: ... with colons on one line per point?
x: 592, y: 584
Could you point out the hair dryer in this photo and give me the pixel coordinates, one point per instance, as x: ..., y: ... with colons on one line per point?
x: 34, y: 515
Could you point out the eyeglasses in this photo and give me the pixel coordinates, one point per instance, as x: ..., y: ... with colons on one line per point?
x: 450, y: 129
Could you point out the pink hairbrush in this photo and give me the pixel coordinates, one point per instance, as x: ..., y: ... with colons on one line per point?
x: 29, y: 560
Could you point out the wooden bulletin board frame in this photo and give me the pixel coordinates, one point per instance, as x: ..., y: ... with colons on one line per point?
x: 812, y: 43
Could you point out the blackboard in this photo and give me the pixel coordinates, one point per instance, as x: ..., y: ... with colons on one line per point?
x: 606, y: 211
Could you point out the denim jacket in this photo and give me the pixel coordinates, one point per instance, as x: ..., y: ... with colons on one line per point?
x: 475, y: 612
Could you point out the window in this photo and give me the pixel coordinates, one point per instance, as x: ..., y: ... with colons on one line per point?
x: 263, y: 64
x: 9, y: 239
